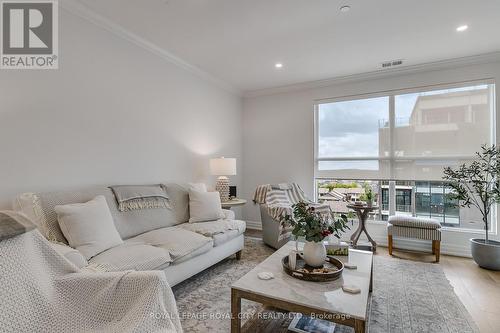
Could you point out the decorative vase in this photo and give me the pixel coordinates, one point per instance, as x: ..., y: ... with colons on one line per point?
x: 486, y: 255
x: 314, y: 254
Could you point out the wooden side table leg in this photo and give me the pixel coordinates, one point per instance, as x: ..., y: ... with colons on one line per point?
x: 437, y: 249
x: 359, y: 326
x: 235, y: 312
x: 389, y: 241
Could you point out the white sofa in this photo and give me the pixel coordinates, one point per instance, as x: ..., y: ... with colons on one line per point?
x: 154, y: 239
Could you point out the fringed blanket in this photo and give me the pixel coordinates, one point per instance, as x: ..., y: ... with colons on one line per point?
x: 43, y: 292
x: 279, y: 200
x: 134, y: 197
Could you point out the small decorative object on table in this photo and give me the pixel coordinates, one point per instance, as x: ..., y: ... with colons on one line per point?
x: 314, y: 227
x: 331, y: 269
x: 265, y: 275
x: 340, y: 249
x: 369, y: 195
x: 312, y: 264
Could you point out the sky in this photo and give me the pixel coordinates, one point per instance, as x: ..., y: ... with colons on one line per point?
x: 350, y: 128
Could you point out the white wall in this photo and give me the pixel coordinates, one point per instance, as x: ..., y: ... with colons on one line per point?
x: 278, y: 133
x: 113, y: 113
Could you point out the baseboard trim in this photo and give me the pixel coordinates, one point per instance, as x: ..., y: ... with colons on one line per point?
x: 378, y: 232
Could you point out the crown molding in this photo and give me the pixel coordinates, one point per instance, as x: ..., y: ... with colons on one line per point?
x: 379, y: 74
x: 75, y: 7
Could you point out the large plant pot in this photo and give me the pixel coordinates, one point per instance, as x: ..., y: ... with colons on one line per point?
x: 486, y: 255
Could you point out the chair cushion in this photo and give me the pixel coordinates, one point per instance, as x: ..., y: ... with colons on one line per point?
x: 418, y: 233
x: 413, y: 222
x: 88, y: 226
x: 177, y: 241
x: 133, y: 255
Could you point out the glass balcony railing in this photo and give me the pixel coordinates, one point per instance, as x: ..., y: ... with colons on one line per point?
x: 430, y: 199
x: 399, y: 208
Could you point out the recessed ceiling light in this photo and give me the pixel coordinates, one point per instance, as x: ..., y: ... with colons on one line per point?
x: 345, y: 9
x: 462, y: 28
x: 278, y: 65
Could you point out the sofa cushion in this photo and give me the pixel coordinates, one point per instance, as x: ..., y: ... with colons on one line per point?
x: 212, y: 228
x: 177, y: 241
x: 128, y: 224
x: 88, y: 226
x: 414, y: 222
x: 224, y: 237
x: 204, y: 249
x: 72, y: 255
x: 133, y: 255
x: 204, y: 206
x: 228, y: 214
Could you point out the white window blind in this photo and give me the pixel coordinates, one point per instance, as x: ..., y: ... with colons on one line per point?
x: 403, y: 136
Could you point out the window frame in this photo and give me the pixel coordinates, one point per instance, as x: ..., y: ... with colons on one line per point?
x: 325, y: 174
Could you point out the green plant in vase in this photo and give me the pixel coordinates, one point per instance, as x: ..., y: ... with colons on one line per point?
x: 314, y: 226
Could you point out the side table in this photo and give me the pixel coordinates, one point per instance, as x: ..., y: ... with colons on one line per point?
x: 233, y: 203
x: 362, y: 212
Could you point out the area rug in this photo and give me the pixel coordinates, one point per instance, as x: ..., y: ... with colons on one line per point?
x: 407, y: 296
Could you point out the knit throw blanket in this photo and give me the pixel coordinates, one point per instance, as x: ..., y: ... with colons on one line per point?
x: 43, y: 292
x: 13, y: 224
x: 134, y: 197
x: 279, y: 200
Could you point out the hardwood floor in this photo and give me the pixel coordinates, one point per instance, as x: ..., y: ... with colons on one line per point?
x: 477, y: 288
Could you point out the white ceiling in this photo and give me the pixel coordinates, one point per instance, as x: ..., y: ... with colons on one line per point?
x: 239, y: 41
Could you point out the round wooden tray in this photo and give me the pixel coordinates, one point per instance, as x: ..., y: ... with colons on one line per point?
x: 315, y: 277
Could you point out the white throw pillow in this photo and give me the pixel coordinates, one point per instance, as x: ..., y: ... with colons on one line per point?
x: 89, y: 226
x: 201, y: 187
x: 204, y: 206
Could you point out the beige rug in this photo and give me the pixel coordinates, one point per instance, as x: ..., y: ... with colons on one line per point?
x: 408, y: 296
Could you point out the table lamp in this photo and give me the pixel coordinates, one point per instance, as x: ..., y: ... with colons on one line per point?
x: 223, y: 167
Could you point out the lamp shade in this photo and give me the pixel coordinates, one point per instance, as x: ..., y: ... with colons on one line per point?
x: 223, y: 166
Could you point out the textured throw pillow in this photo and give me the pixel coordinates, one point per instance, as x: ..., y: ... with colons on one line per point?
x: 204, y: 206
x: 89, y: 226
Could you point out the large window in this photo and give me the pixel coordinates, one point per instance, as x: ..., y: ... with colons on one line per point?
x: 400, y: 143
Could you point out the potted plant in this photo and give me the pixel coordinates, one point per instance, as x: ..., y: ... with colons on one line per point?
x: 314, y: 226
x: 368, y: 196
x: 477, y: 184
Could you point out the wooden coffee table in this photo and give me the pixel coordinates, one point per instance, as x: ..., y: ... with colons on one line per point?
x: 324, y: 300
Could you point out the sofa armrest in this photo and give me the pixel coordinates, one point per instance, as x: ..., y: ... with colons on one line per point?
x: 228, y: 214
x: 72, y: 255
